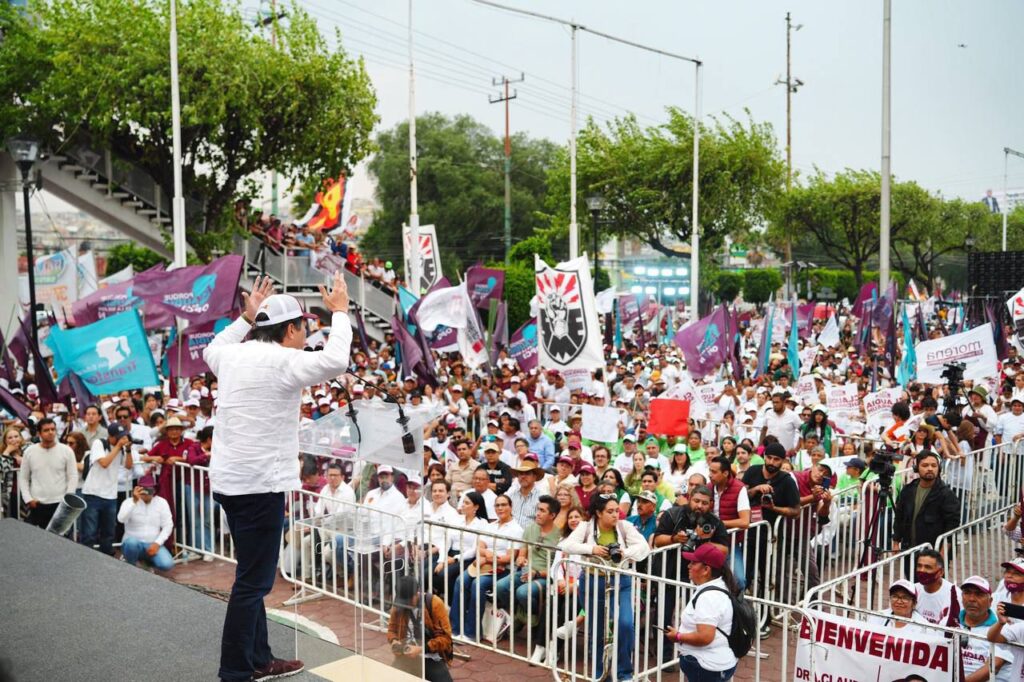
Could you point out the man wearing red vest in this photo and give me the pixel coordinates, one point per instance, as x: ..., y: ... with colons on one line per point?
x: 732, y: 506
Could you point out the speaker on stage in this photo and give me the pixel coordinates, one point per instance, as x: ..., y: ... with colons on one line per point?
x: 994, y: 273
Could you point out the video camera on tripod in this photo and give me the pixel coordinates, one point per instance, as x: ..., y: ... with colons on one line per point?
x: 954, y: 376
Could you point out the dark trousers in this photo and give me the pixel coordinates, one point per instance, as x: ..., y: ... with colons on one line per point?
x: 41, y: 515
x: 255, y: 522
x: 98, y: 522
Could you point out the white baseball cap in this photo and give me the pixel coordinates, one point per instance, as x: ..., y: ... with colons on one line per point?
x: 281, y: 308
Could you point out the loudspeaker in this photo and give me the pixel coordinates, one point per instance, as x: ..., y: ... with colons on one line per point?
x: 994, y: 273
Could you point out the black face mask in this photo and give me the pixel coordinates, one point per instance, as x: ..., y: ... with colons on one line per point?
x: 772, y: 469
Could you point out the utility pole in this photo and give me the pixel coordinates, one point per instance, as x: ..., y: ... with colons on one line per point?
x: 1006, y: 190
x: 263, y: 21
x: 574, y: 230
x: 413, y: 256
x: 883, y: 241
x: 506, y: 98
x: 178, y: 201
x: 792, y: 85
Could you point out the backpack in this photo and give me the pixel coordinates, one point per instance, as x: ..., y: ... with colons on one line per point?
x: 744, y: 621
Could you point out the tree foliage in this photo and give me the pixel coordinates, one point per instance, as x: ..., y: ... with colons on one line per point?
x: 727, y: 285
x: 96, y: 72
x: 139, y: 257
x: 646, y: 177
x: 460, y: 187
x: 759, y: 285
x: 839, y: 217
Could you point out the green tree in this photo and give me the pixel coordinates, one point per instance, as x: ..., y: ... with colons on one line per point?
x: 839, y: 217
x: 727, y: 286
x: 139, y: 257
x: 646, y: 177
x: 460, y: 187
x: 520, y: 288
x: 759, y: 285
x: 96, y: 72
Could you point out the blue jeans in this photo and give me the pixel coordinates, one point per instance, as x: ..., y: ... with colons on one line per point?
x: 594, y: 587
x: 694, y: 673
x: 467, y: 599
x: 99, y: 521
x: 134, y: 549
x: 738, y: 565
x: 255, y: 522
x: 201, y: 519
x: 525, y: 592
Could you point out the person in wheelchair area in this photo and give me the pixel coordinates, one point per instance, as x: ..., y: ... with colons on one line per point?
x: 607, y: 541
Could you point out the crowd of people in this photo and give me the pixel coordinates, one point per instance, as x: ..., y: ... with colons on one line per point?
x: 509, y: 462
x: 323, y: 248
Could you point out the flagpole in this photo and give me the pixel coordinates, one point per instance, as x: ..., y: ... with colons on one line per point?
x: 413, y: 255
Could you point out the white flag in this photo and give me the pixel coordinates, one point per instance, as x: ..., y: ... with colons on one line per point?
x: 472, y: 345
x: 122, y: 275
x: 829, y: 336
x: 605, y: 301
x: 567, y: 316
x: 449, y: 306
x: 975, y: 348
x: 429, y: 255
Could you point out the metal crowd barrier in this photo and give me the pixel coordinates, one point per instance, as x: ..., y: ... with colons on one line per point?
x: 959, y: 637
x: 199, y: 524
x: 977, y: 548
x: 866, y: 587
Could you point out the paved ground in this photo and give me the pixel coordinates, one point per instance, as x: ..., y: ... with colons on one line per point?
x: 483, y: 665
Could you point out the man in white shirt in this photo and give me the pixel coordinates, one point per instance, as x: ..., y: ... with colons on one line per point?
x: 106, y: 462
x: 781, y: 422
x: 48, y: 472
x: 255, y: 446
x: 147, y: 525
x: 1010, y: 427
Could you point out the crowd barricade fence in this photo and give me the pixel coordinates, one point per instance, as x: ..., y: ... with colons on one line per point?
x: 960, y: 637
x: 867, y: 586
x: 200, y: 526
x: 976, y: 548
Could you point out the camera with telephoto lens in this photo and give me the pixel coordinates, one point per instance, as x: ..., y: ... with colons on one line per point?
x: 615, y: 553
x: 693, y: 536
x: 135, y: 441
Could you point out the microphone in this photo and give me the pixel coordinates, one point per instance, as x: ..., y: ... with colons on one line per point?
x: 408, y: 442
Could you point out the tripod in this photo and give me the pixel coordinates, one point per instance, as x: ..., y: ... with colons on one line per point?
x: 874, y: 521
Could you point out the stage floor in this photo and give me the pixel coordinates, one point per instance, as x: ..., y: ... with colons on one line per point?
x: 70, y: 613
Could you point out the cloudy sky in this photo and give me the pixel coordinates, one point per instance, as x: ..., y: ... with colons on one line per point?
x: 954, y: 108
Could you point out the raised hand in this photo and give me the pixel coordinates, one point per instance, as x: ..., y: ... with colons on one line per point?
x: 261, y: 289
x: 336, y: 300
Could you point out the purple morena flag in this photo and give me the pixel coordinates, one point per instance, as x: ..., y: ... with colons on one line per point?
x: 866, y: 293
x: 523, y: 346
x: 48, y: 393
x: 499, y: 339
x: 629, y: 312
x: 20, y: 341
x: 412, y: 356
x: 117, y: 298
x: 364, y: 340
x: 705, y: 344
x: 72, y: 386
x: 484, y: 284
x: 15, y: 405
x: 196, y: 292
x: 194, y: 341
x: 998, y: 330
x: 805, y: 319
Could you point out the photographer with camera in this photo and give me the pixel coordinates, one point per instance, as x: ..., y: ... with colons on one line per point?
x: 605, y: 540
x: 107, y: 459
x: 926, y: 508
x: 773, y: 493
x: 415, y: 631
x: 688, y: 527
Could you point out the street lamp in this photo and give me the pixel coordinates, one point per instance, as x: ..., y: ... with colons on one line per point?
x: 25, y: 150
x: 595, y: 204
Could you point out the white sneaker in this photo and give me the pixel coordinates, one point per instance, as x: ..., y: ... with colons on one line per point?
x: 539, y: 653
x: 565, y: 630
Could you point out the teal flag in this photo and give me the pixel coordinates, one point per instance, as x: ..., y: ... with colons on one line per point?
x: 792, y: 348
x: 110, y: 355
x: 907, y: 369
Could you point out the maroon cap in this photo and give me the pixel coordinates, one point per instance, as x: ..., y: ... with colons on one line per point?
x: 707, y: 554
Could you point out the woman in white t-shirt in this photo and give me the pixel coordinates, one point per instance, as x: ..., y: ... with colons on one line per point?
x: 701, y: 639
x: 903, y: 604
